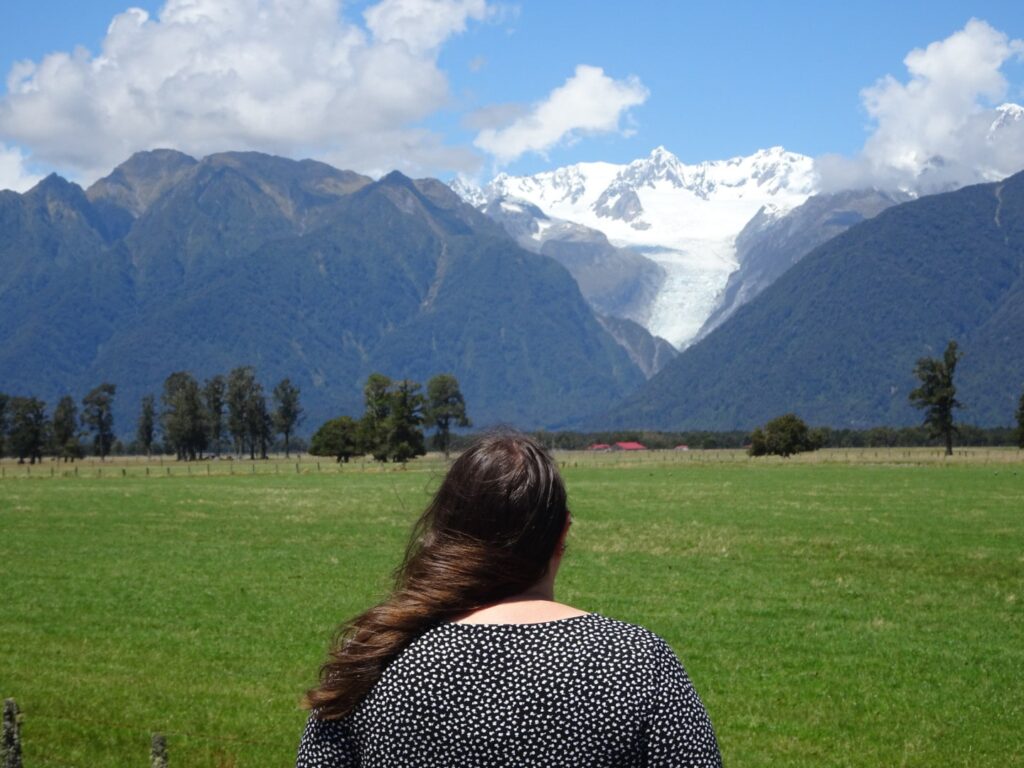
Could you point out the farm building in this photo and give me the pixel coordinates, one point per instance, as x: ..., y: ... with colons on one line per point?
x: 599, y: 447
x: 629, y: 446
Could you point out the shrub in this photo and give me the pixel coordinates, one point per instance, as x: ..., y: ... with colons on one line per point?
x: 783, y: 436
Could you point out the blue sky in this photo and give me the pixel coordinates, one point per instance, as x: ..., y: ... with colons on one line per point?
x: 708, y: 81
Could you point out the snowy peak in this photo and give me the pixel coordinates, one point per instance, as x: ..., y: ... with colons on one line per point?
x: 468, y: 191
x: 1007, y: 115
x: 772, y: 170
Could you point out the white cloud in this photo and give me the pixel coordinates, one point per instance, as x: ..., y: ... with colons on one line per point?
x: 422, y: 25
x: 13, y: 171
x: 291, y: 78
x: 938, y: 130
x: 588, y: 102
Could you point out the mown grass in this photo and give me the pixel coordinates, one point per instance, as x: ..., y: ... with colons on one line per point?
x: 863, y: 615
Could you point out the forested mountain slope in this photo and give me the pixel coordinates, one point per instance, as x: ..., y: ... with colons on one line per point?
x: 300, y: 270
x: 836, y: 337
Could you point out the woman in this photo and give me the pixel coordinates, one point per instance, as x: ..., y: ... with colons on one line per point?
x: 471, y: 662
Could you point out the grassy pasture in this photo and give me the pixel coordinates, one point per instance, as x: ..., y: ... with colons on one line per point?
x: 838, y: 610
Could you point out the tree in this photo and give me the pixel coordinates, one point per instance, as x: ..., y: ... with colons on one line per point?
x: 259, y: 424
x: 146, y: 432
x: 1020, y: 422
x: 241, y: 384
x: 445, y: 406
x: 373, y: 426
x: 782, y: 436
x: 404, y: 436
x: 28, y: 428
x: 287, y: 412
x: 213, y: 399
x: 937, y: 393
x: 64, y: 430
x: 183, y: 417
x: 338, y: 437
x: 98, y: 417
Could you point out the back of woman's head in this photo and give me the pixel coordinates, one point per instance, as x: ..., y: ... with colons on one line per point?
x: 489, y: 533
x: 505, y: 495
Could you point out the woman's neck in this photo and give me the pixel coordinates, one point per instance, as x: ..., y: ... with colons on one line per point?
x: 521, y: 609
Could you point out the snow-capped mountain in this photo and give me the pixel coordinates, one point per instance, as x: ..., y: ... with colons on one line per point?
x: 683, y: 217
x: 1008, y: 115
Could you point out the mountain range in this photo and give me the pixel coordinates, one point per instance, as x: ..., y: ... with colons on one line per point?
x: 539, y: 293
x: 301, y: 270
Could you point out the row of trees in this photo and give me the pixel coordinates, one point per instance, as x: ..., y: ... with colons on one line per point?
x: 27, y: 433
x: 198, y: 418
x: 193, y: 419
x: 394, y: 412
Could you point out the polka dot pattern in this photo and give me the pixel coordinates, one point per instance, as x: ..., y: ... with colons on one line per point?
x: 587, y: 691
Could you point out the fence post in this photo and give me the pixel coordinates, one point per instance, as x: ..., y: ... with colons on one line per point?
x: 158, y: 751
x: 10, y: 747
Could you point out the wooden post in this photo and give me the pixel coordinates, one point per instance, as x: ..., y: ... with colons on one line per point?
x: 158, y: 751
x: 10, y: 746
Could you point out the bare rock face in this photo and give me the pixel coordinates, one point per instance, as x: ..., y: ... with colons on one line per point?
x: 615, y: 281
x: 620, y: 203
x: 649, y: 353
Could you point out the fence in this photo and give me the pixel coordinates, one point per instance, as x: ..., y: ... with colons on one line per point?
x: 161, y: 467
x: 10, y: 744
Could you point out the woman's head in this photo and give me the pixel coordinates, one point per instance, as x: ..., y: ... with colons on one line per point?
x: 503, y: 495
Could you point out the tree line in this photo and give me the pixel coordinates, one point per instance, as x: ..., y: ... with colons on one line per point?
x: 27, y: 433
x: 391, y: 426
x: 224, y: 412
x: 233, y: 412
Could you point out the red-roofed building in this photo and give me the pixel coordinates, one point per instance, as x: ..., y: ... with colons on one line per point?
x: 599, y: 447
x: 629, y: 446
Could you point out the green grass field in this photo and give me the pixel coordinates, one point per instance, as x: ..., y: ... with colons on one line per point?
x: 830, y: 614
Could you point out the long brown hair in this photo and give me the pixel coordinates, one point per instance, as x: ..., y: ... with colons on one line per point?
x: 489, y: 533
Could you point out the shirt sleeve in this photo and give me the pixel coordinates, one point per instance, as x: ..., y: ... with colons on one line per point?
x: 679, y: 732
x: 326, y: 744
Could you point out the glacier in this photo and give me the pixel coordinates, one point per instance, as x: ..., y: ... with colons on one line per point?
x: 683, y: 217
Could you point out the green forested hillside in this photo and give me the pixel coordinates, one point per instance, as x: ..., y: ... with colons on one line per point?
x: 836, y: 337
x: 300, y: 270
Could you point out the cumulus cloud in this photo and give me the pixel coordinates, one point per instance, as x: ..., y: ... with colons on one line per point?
x: 940, y: 129
x: 588, y: 102
x: 14, y: 173
x: 292, y: 78
x: 423, y: 26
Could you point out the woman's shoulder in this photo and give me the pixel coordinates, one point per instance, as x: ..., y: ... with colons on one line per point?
x: 636, y: 638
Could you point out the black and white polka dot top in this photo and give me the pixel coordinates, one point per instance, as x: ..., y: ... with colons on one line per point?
x: 586, y: 691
